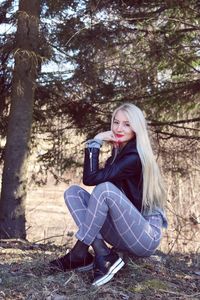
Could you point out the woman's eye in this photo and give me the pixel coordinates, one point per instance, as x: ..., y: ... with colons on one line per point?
x: 127, y: 125
x: 115, y: 122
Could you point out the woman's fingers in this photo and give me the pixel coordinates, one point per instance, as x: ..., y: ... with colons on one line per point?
x: 107, y: 136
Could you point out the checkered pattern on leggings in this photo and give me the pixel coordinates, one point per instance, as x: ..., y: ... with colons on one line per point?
x: 107, y: 213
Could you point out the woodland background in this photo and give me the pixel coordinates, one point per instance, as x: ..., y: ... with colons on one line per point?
x: 65, y: 65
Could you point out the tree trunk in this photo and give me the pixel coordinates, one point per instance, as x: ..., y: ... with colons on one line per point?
x: 14, y: 179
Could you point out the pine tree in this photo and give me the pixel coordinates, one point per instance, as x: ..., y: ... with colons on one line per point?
x: 14, y: 179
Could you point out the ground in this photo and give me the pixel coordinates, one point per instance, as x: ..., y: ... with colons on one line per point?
x: 24, y: 274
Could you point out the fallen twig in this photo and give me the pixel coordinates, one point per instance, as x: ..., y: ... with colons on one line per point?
x: 179, y: 294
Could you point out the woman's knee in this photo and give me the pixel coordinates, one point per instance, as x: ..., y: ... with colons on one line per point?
x: 103, y: 187
x: 71, y: 191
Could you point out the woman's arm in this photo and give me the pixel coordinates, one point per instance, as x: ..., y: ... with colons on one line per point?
x: 127, y: 165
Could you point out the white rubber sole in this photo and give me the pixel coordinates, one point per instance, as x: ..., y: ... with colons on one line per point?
x: 111, y: 272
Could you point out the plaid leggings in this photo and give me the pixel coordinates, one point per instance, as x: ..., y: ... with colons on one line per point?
x: 107, y: 213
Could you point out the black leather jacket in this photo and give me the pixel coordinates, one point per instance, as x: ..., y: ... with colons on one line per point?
x: 125, y: 172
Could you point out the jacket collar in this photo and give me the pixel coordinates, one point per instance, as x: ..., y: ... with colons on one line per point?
x: 131, y: 145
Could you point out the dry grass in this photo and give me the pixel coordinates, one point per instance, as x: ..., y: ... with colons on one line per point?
x: 24, y: 274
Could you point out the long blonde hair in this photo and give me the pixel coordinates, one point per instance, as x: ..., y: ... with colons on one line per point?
x: 153, y: 189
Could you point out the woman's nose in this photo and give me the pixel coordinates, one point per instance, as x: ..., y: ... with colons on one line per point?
x: 120, y: 127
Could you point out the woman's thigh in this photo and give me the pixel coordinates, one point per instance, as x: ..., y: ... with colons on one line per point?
x: 126, y: 229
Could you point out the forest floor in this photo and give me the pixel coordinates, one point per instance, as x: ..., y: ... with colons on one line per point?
x: 24, y: 275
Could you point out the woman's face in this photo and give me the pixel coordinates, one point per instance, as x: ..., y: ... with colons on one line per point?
x: 122, y: 129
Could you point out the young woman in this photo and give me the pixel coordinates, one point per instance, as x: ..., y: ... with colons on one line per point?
x: 125, y: 209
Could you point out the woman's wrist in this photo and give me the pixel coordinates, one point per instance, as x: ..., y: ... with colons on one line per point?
x: 98, y: 137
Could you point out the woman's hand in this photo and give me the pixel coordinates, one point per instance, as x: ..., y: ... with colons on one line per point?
x: 106, y: 136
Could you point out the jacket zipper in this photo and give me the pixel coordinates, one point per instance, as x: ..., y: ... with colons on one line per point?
x: 90, y: 156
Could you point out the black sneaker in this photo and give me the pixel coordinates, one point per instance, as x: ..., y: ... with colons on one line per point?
x: 65, y: 263
x: 105, y: 267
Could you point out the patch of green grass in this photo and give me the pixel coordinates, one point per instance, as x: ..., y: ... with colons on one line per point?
x: 154, y: 284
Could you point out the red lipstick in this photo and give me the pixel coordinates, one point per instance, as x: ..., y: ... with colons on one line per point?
x: 119, y: 135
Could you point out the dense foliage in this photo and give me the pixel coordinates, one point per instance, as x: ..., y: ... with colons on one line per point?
x: 96, y: 54
x: 138, y: 51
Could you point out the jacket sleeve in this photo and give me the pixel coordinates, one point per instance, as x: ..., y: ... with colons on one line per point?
x: 129, y: 165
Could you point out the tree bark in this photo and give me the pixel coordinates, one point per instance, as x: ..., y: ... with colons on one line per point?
x: 14, y: 179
